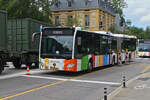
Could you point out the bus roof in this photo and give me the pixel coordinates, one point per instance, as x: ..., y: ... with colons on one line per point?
x: 101, y: 32
x: 98, y: 32
x: 124, y: 35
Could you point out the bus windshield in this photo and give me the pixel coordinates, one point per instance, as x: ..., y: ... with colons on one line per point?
x: 55, y: 45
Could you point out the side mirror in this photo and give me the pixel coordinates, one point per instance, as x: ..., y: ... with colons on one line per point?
x: 34, y: 34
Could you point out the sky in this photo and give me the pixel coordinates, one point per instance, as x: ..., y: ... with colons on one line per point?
x: 138, y: 11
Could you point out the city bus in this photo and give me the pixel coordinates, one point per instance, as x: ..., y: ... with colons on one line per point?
x: 74, y: 49
x: 144, y: 48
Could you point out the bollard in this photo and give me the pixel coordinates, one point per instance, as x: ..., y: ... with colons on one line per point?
x: 124, y: 82
x: 105, y: 93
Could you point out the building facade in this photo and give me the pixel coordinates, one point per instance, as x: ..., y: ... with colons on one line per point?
x: 94, y: 15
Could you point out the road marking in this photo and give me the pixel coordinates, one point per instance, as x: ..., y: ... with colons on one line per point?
x: 82, y: 81
x: 52, y: 84
x: 142, y: 58
x: 21, y: 73
x: 31, y: 90
x: 139, y: 65
x: 145, y: 69
x: 118, y: 90
x: 143, y: 86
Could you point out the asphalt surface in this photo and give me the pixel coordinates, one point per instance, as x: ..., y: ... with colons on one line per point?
x: 59, y: 85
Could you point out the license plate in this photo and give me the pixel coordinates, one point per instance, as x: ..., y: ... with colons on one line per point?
x: 53, y: 68
x: 46, y: 67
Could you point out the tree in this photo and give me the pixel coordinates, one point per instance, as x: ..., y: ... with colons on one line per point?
x: 147, y: 30
x: 128, y: 22
x: 119, y: 5
x: 112, y: 28
x: 36, y: 9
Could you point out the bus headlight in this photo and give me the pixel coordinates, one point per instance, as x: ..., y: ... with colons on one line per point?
x: 70, y: 65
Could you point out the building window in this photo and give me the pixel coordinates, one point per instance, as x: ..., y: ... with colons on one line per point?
x: 100, y: 24
x: 56, y: 20
x: 87, y: 21
x: 87, y: 2
x: 69, y: 3
x: 57, y: 3
x: 69, y: 18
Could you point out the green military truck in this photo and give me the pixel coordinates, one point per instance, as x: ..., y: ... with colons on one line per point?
x: 20, y: 46
x: 3, y: 40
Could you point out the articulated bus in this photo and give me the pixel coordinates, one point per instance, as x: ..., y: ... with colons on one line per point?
x: 74, y: 49
x: 144, y: 48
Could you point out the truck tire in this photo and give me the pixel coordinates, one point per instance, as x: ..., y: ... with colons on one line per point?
x: 1, y: 66
x: 17, y: 63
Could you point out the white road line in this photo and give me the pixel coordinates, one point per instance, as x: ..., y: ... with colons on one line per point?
x: 82, y: 81
x: 143, y: 58
x: 20, y: 74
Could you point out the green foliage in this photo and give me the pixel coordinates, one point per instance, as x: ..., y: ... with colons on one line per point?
x: 128, y: 22
x: 140, y: 33
x: 130, y: 30
x: 119, y: 5
x: 36, y: 9
x: 112, y: 28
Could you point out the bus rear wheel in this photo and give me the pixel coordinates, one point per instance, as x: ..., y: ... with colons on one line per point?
x: 90, y: 66
x: 114, y: 61
x: 1, y: 66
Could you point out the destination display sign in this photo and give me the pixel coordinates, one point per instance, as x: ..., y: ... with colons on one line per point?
x: 58, y: 31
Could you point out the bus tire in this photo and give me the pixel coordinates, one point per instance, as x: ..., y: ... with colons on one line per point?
x: 90, y: 66
x: 113, y: 63
x: 1, y: 66
x: 130, y: 57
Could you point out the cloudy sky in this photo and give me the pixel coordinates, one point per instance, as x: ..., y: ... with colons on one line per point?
x: 138, y: 11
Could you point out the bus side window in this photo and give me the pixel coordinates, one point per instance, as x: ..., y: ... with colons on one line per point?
x: 81, y: 45
x: 97, y: 44
x: 104, y: 45
x: 114, y: 44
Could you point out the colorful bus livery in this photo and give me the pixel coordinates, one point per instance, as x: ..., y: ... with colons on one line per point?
x: 144, y: 48
x: 72, y: 49
x: 75, y: 65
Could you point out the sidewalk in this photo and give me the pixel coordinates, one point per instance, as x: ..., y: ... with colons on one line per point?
x: 137, y: 89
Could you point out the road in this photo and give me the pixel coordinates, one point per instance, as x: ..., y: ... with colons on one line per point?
x: 59, y: 85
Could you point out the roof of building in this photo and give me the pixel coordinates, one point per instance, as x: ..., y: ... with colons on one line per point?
x: 83, y: 4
